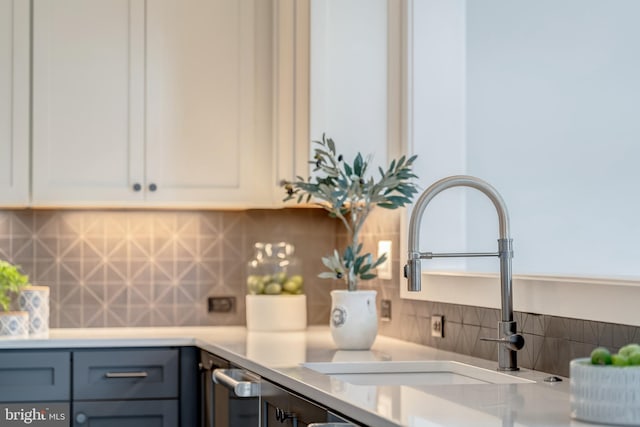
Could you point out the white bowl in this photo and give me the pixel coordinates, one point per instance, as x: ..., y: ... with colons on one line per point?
x: 605, y: 394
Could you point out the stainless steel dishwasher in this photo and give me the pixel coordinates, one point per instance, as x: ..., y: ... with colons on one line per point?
x: 229, y: 396
x: 284, y: 408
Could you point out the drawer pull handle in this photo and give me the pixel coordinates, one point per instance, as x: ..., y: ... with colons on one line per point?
x: 140, y: 374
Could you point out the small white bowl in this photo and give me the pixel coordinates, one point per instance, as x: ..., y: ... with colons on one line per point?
x: 605, y: 394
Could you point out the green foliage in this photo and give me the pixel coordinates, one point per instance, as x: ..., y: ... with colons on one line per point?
x: 11, y: 281
x: 347, y: 192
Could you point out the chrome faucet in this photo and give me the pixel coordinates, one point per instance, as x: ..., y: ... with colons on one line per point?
x: 508, y: 339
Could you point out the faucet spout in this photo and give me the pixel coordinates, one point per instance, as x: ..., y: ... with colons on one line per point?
x: 507, y: 327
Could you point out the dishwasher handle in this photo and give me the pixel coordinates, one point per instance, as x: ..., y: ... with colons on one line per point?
x: 239, y: 381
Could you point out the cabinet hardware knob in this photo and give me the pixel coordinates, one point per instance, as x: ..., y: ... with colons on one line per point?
x: 137, y: 186
x: 153, y: 187
x: 81, y: 418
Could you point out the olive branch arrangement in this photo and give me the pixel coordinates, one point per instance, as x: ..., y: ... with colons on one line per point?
x: 345, y: 191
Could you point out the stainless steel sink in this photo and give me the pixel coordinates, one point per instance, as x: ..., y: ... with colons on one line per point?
x: 412, y: 373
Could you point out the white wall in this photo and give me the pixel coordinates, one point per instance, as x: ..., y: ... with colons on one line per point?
x: 437, y: 114
x: 553, y: 119
x: 542, y: 100
x: 349, y: 76
x: 551, y: 109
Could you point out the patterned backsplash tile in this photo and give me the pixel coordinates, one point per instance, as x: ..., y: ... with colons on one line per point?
x: 156, y: 268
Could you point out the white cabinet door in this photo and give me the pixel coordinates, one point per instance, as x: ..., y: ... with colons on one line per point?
x: 209, y: 78
x: 88, y: 101
x: 14, y: 103
x: 351, y: 77
x: 156, y: 103
x: 291, y: 92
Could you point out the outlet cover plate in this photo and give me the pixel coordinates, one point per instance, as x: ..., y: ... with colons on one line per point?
x: 384, y: 270
x: 385, y: 310
x: 221, y: 304
x: 437, y: 326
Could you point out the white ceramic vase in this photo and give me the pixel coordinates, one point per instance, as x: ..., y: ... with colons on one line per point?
x: 14, y: 325
x: 354, y: 319
x: 35, y: 301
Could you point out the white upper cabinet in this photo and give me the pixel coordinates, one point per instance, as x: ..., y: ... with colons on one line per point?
x: 158, y: 103
x: 88, y: 101
x: 354, y: 77
x: 14, y: 103
x: 209, y: 101
x: 291, y: 91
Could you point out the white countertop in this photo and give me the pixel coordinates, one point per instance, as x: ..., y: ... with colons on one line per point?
x: 277, y: 357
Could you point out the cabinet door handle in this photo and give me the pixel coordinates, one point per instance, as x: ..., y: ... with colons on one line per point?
x: 137, y: 187
x: 139, y: 374
x: 153, y: 187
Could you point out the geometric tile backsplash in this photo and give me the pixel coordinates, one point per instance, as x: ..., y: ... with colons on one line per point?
x: 155, y: 268
x: 111, y: 268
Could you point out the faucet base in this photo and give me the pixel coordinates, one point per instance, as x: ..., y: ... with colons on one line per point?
x: 508, y: 345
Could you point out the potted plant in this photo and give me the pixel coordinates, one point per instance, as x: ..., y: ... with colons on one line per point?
x: 13, y: 324
x: 349, y: 193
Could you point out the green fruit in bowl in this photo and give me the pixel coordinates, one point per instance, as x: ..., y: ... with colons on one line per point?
x: 297, y: 278
x: 629, y: 349
x: 292, y: 286
x: 275, y: 284
x: 628, y: 355
x: 255, y: 285
x: 634, y: 359
x: 280, y: 277
x: 273, y: 288
x: 601, y: 356
x: 619, y: 360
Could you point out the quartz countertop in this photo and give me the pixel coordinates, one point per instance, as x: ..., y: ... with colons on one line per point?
x: 278, y: 357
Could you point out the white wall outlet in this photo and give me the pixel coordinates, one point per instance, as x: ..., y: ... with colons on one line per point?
x: 437, y: 326
x: 385, y: 310
x: 384, y: 270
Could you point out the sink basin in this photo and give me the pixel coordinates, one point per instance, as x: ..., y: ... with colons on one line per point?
x: 412, y: 373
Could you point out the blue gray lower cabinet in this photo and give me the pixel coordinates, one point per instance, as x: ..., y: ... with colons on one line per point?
x: 126, y: 413
x: 142, y: 387
x: 125, y: 374
x: 35, y: 376
x: 135, y: 387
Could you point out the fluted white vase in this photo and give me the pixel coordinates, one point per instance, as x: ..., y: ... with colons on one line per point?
x: 354, y: 319
x: 35, y: 301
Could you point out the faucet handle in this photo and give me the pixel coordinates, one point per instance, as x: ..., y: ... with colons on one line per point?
x: 513, y: 342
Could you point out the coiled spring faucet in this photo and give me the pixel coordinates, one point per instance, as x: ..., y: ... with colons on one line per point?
x: 508, y: 339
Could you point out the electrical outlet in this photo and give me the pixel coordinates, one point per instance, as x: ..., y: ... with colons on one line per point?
x: 385, y: 310
x: 437, y: 326
x: 221, y: 304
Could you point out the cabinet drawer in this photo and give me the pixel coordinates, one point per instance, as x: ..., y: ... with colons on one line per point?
x: 34, y: 376
x: 125, y: 374
x: 139, y: 413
